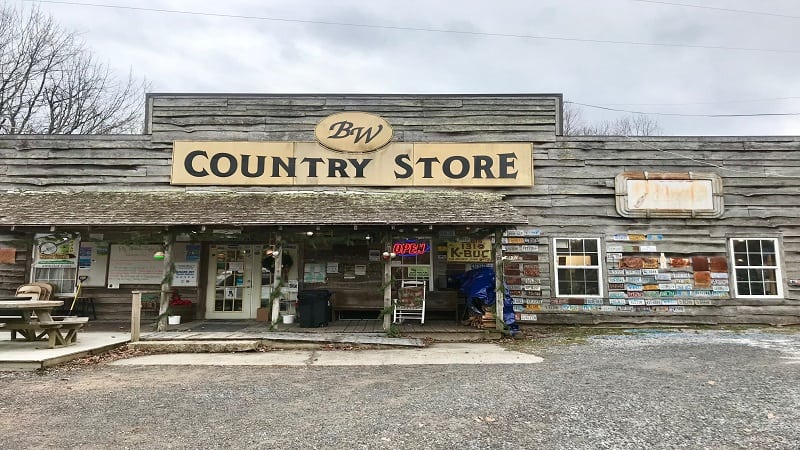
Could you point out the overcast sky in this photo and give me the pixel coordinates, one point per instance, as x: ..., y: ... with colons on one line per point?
x: 723, y: 57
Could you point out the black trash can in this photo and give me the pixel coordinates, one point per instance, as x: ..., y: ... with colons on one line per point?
x: 314, y: 307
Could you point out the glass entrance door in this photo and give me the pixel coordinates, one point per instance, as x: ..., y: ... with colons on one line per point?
x: 234, y: 281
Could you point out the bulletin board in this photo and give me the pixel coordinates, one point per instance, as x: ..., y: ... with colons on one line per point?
x: 134, y: 264
x: 93, y: 263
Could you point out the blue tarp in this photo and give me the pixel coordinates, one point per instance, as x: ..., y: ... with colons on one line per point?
x: 478, y: 286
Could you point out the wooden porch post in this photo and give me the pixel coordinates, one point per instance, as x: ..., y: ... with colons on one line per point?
x: 136, y: 315
x: 276, y: 283
x: 387, y: 290
x: 499, y: 290
x: 166, y: 282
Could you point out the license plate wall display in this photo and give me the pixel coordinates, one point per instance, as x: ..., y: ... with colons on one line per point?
x: 525, y: 273
x: 643, y: 275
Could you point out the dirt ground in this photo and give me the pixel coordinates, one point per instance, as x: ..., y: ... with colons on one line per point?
x: 632, y: 388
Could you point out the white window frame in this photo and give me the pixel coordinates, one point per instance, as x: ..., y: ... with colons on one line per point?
x: 598, y: 267
x: 776, y: 267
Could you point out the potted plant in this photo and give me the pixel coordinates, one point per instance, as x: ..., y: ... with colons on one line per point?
x: 179, y: 306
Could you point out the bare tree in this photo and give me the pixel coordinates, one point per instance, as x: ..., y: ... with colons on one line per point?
x: 630, y: 125
x: 51, y: 84
x: 571, y: 119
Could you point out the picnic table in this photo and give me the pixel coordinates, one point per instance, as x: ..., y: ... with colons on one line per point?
x: 33, y: 321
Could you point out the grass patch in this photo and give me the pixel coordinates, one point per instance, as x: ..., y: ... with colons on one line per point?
x: 536, y: 338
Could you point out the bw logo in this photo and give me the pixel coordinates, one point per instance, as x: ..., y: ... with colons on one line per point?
x: 353, y: 132
x: 345, y: 129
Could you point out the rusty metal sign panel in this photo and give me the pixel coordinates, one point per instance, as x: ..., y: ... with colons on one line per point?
x: 646, y: 194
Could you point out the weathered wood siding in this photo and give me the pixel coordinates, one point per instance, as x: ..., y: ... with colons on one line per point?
x: 136, y: 163
x: 574, y: 196
x: 82, y: 163
x: 414, y: 118
x: 12, y: 275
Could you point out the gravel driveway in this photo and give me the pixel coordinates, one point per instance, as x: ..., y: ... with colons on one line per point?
x: 641, y: 389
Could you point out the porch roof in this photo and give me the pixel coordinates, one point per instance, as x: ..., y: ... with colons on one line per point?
x: 263, y: 208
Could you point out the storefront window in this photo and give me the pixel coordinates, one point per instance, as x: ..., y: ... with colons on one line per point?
x: 413, y: 260
x: 756, y: 268
x: 62, y: 278
x: 577, y: 264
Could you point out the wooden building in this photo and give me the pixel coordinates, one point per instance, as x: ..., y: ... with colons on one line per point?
x: 260, y: 198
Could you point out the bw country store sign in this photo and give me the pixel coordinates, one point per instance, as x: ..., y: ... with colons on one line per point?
x: 353, y: 149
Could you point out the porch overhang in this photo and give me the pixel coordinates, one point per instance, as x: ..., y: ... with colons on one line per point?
x: 256, y: 209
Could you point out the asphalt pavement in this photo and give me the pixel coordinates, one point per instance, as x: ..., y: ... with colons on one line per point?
x: 637, y: 389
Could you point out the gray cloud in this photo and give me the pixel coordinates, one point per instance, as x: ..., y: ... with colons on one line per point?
x: 195, y: 53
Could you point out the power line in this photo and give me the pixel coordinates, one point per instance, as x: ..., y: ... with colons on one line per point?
x: 720, y: 102
x: 681, y: 114
x: 713, y: 8
x: 705, y: 163
x: 420, y: 29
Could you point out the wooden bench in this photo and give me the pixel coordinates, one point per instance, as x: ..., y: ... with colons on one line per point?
x: 37, y: 330
x: 55, y: 327
x: 29, y: 331
x: 436, y: 301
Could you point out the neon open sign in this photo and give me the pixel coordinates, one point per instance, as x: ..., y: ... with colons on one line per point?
x: 410, y: 248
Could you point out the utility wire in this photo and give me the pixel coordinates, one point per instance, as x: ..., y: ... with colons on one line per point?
x: 706, y: 163
x: 713, y: 8
x: 433, y: 30
x: 420, y: 29
x: 681, y: 114
x: 720, y: 102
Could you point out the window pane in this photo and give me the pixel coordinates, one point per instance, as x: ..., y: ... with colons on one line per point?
x: 578, y: 267
x: 754, y: 275
x: 743, y: 288
x: 594, y: 259
x: 756, y: 289
x: 754, y: 259
x: 756, y: 267
x: 578, y: 282
x: 563, y: 285
x: 62, y: 278
x: 769, y: 260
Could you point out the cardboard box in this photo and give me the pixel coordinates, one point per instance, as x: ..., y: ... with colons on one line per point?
x: 263, y: 314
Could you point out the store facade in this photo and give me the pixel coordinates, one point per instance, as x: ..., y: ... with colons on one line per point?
x: 256, y: 199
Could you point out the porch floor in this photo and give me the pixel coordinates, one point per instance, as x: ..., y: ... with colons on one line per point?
x: 439, y: 330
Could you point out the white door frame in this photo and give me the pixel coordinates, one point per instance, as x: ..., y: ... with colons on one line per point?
x: 237, y: 268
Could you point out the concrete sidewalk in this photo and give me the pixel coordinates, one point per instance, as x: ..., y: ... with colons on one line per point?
x: 436, y: 354
x: 23, y: 355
